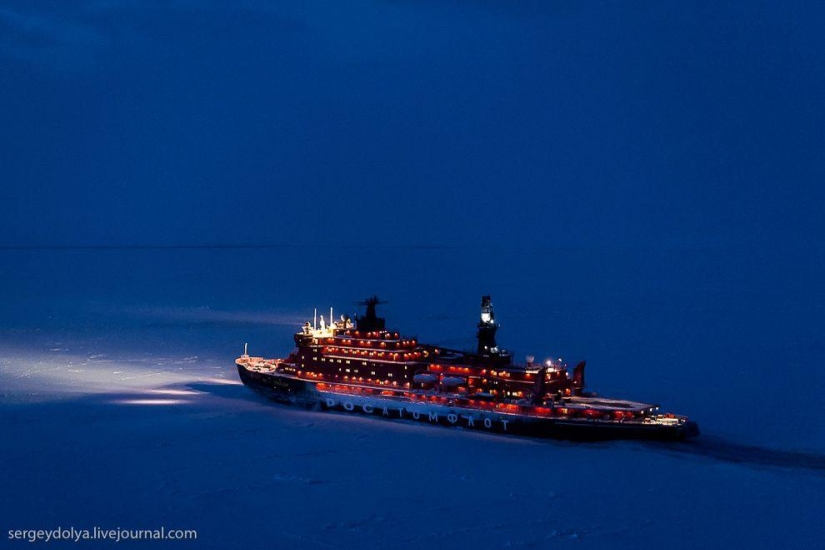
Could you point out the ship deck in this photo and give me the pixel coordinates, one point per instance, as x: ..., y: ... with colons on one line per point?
x: 608, y: 404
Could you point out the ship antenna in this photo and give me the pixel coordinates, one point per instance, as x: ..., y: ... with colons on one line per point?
x: 315, y: 319
x: 331, y: 319
x: 244, y: 348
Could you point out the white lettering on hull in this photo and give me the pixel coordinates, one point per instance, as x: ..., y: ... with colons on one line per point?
x: 432, y: 416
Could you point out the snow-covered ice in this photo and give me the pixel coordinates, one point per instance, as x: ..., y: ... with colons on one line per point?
x: 120, y: 405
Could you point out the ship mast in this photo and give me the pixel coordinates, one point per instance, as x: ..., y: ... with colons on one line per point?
x: 487, y: 328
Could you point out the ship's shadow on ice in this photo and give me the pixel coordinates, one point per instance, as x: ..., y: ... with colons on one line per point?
x: 719, y: 448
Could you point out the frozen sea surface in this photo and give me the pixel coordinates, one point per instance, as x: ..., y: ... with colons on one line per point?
x: 120, y: 406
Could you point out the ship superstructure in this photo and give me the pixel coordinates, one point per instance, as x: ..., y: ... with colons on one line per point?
x: 362, y: 366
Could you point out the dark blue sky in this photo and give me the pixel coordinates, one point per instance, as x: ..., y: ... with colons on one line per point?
x: 566, y: 124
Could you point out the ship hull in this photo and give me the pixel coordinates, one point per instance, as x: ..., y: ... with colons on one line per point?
x: 305, y: 393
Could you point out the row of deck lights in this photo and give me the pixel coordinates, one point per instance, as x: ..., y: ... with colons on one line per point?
x: 381, y: 354
x: 373, y: 334
x: 359, y: 379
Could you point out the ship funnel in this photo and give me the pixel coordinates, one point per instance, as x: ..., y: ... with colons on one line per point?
x: 370, y: 321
